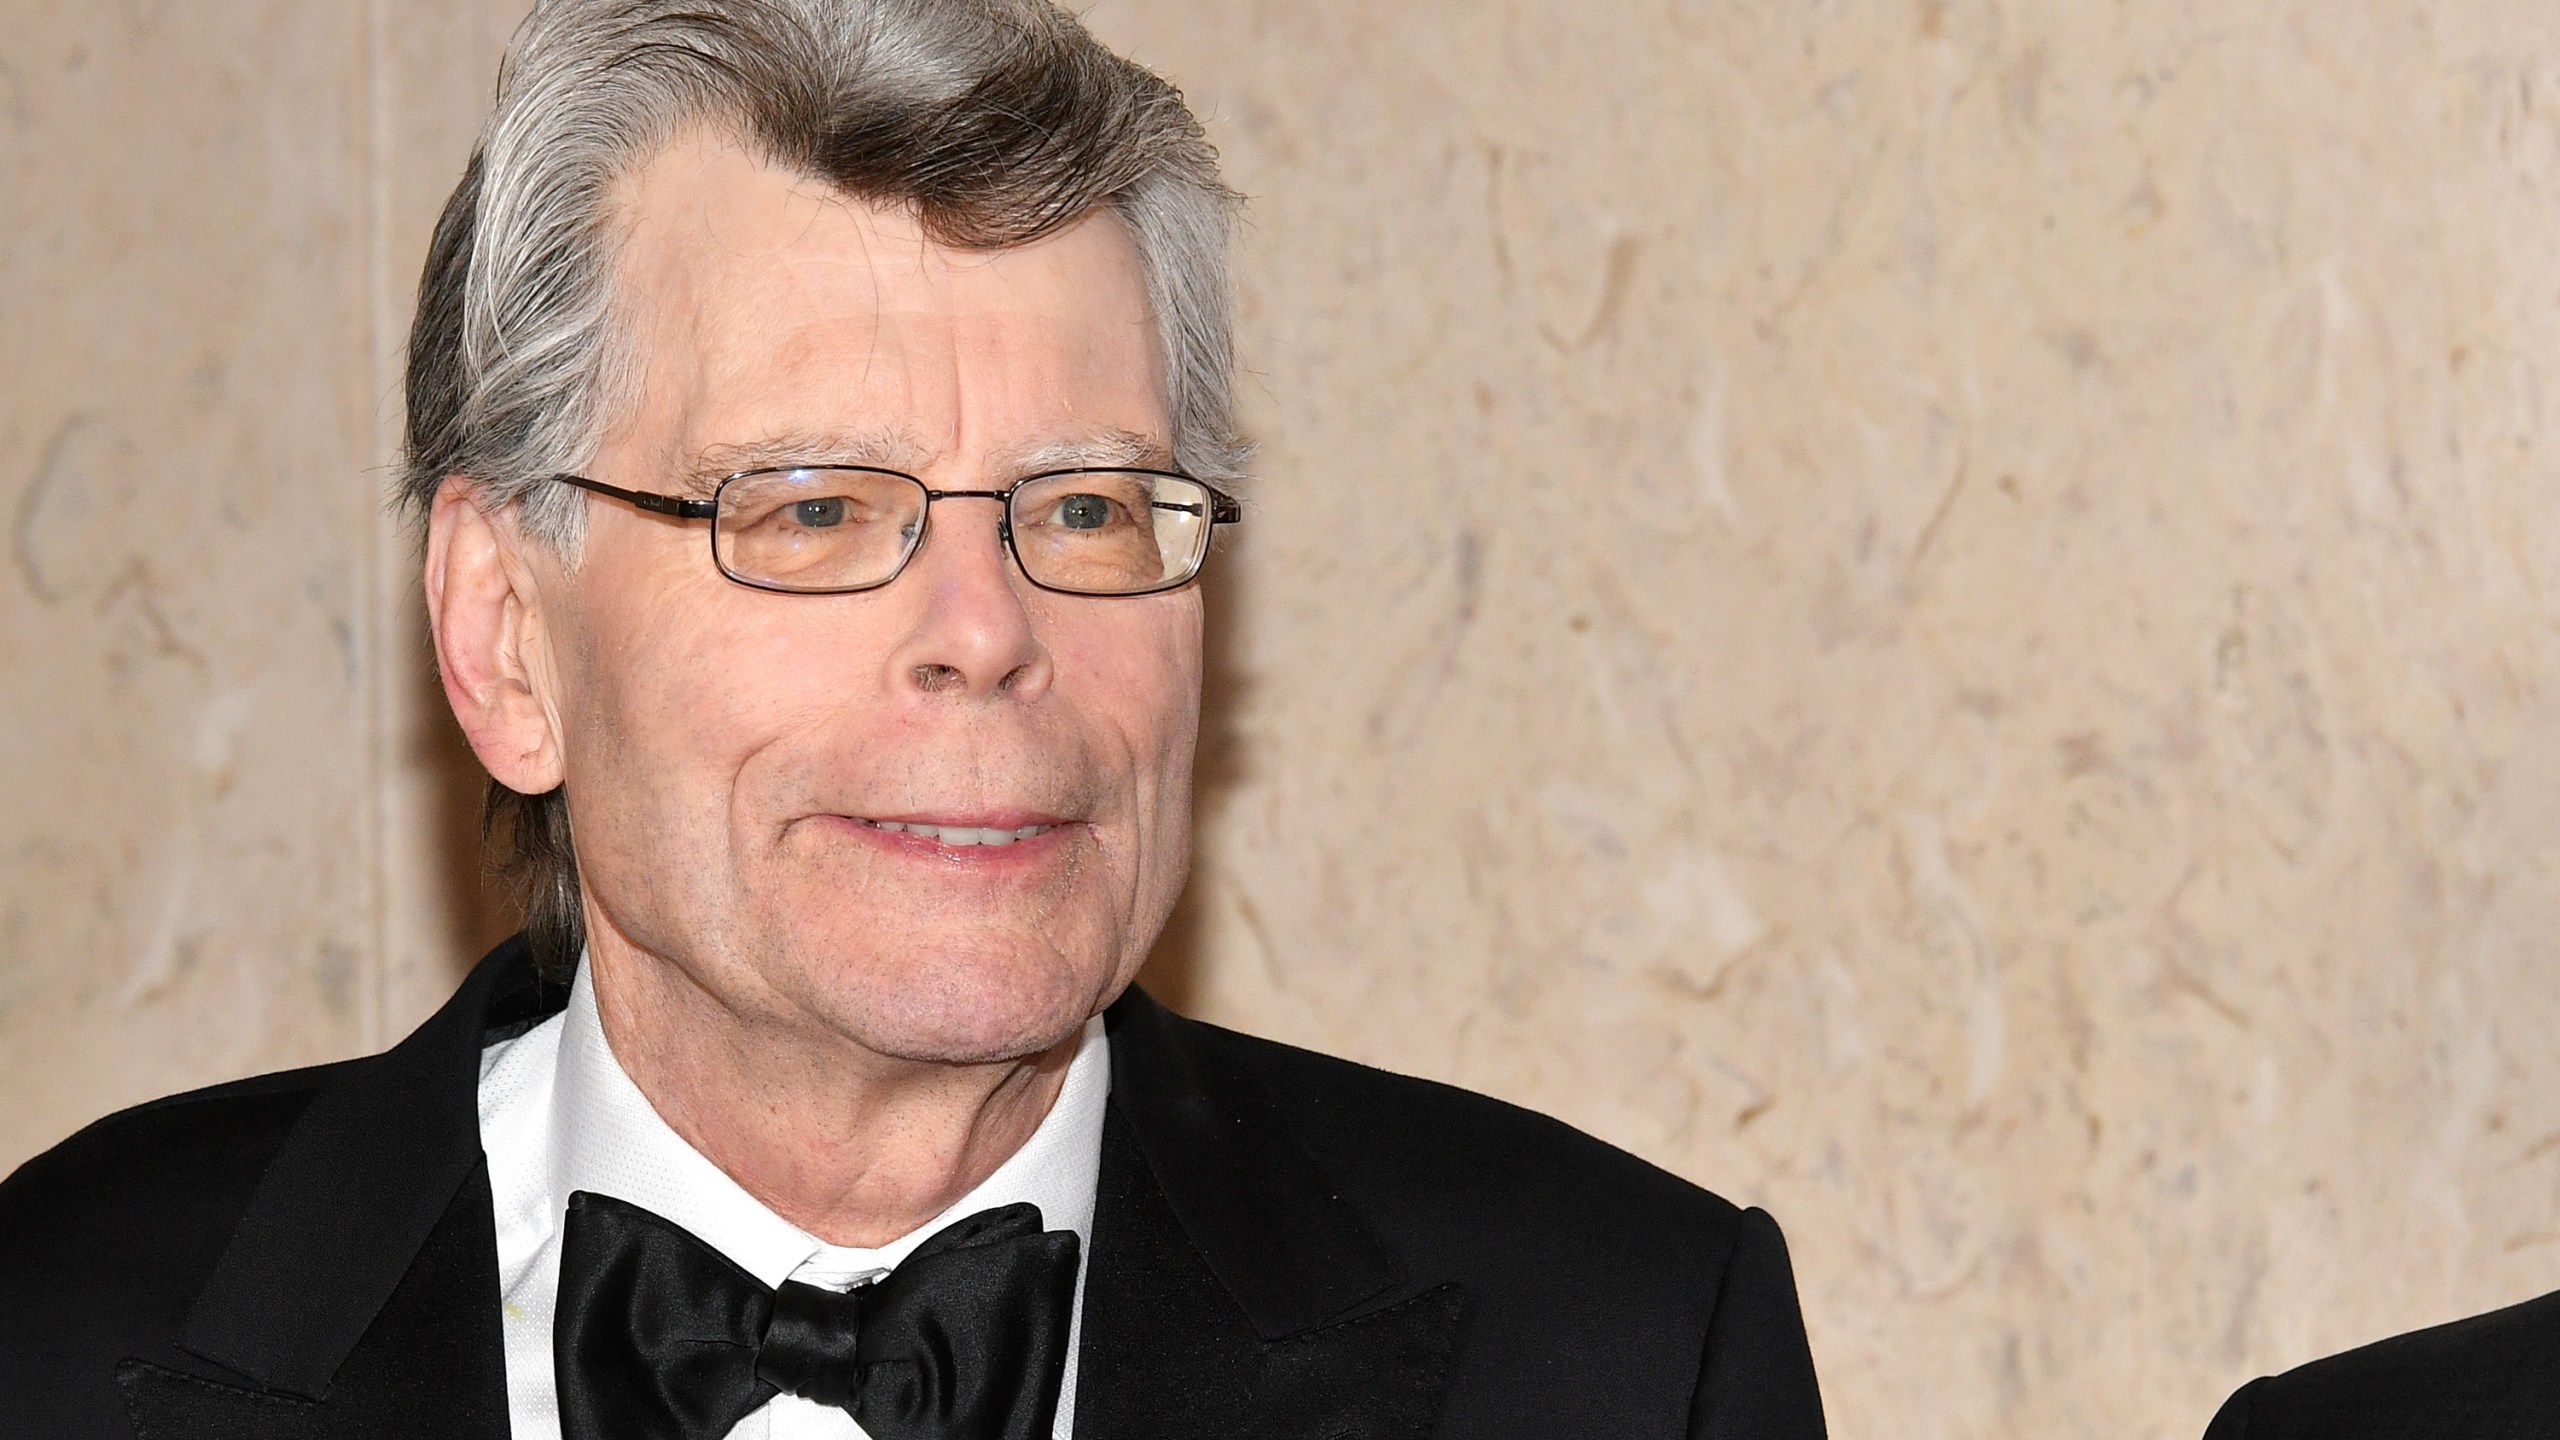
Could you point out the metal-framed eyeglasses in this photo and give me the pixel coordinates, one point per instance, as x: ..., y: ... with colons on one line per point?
x: 839, y: 529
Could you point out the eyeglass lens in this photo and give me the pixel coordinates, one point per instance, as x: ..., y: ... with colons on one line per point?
x: 1092, y: 532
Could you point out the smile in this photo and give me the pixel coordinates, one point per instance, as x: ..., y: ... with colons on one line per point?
x: 960, y: 834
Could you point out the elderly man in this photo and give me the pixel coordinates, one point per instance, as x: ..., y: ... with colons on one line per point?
x: 818, y: 410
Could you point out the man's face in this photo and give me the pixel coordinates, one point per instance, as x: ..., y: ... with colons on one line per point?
x: 727, y: 751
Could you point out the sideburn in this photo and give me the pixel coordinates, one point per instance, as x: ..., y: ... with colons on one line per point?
x: 538, y: 861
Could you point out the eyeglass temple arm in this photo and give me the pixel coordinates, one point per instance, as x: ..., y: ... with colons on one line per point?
x: 675, y: 505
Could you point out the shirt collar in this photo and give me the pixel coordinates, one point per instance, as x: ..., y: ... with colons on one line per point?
x: 607, y: 1138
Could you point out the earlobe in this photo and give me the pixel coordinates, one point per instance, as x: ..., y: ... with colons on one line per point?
x: 485, y: 614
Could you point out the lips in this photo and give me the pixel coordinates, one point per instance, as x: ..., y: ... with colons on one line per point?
x: 960, y: 835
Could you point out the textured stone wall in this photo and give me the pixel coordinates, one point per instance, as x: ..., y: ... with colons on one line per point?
x: 1931, y: 613
x: 235, y: 833
x: 204, y: 679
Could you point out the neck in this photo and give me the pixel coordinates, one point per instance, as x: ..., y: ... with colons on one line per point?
x: 855, y: 1147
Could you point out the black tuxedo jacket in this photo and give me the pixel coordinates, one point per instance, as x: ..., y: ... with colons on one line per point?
x: 2491, y: 1377
x: 1284, y: 1245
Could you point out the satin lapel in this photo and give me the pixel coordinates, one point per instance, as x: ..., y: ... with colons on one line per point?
x: 359, y: 1290
x: 1231, y: 1292
x: 430, y: 1366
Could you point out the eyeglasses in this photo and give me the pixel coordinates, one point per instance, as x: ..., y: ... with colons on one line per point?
x: 837, y: 529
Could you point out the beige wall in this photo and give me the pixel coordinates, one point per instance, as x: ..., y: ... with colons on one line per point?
x: 1933, y: 614
x: 224, y: 808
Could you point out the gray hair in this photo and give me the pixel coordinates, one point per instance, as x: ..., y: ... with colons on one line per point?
x: 998, y: 121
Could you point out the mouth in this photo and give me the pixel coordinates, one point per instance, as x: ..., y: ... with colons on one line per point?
x: 994, y: 836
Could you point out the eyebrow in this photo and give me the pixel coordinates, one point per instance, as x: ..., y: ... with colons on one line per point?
x: 884, y: 449
x: 1111, y: 448
x: 890, y: 449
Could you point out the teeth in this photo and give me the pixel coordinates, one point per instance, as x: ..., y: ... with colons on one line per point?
x: 958, y: 835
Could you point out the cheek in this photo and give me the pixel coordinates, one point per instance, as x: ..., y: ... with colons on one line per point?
x: 1139, y: 684
x: 684, y: 688
x: 1142, y: 679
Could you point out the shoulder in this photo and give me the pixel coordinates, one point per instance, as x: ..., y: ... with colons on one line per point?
x: 1382, y: 1121
x: 157, y: 1153
x: 1604, y: 1293
x: 2479, y: 1379
x: 105, y: 1237
x: 1451, y: 1170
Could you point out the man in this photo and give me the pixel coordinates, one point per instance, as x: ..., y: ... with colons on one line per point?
x: 2490, y: 1377
x: 817, y: 409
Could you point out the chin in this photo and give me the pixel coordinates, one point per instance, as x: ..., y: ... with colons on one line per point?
x: 968, y: 1007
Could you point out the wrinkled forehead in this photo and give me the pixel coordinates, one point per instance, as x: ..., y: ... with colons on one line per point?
x: 769, y: 318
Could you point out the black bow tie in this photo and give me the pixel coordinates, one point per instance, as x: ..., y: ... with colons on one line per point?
x: 659, y: 1335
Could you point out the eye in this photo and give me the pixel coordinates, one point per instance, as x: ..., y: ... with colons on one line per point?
x: 1082, y: 512
x: 818, y: 514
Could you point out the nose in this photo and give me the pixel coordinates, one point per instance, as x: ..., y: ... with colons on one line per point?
x: 973, y: 634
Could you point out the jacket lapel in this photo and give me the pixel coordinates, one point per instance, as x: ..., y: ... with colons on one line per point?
x: 358, y: 1296
x: 431, y: 1364
x: 1232, y: 1292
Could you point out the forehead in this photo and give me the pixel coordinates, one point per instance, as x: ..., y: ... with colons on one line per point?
x: 763, y: 307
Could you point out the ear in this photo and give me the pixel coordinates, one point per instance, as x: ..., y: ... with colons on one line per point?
x: 492, y: 648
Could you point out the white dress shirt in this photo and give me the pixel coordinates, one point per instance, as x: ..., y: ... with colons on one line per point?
x: 559, y: 1114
